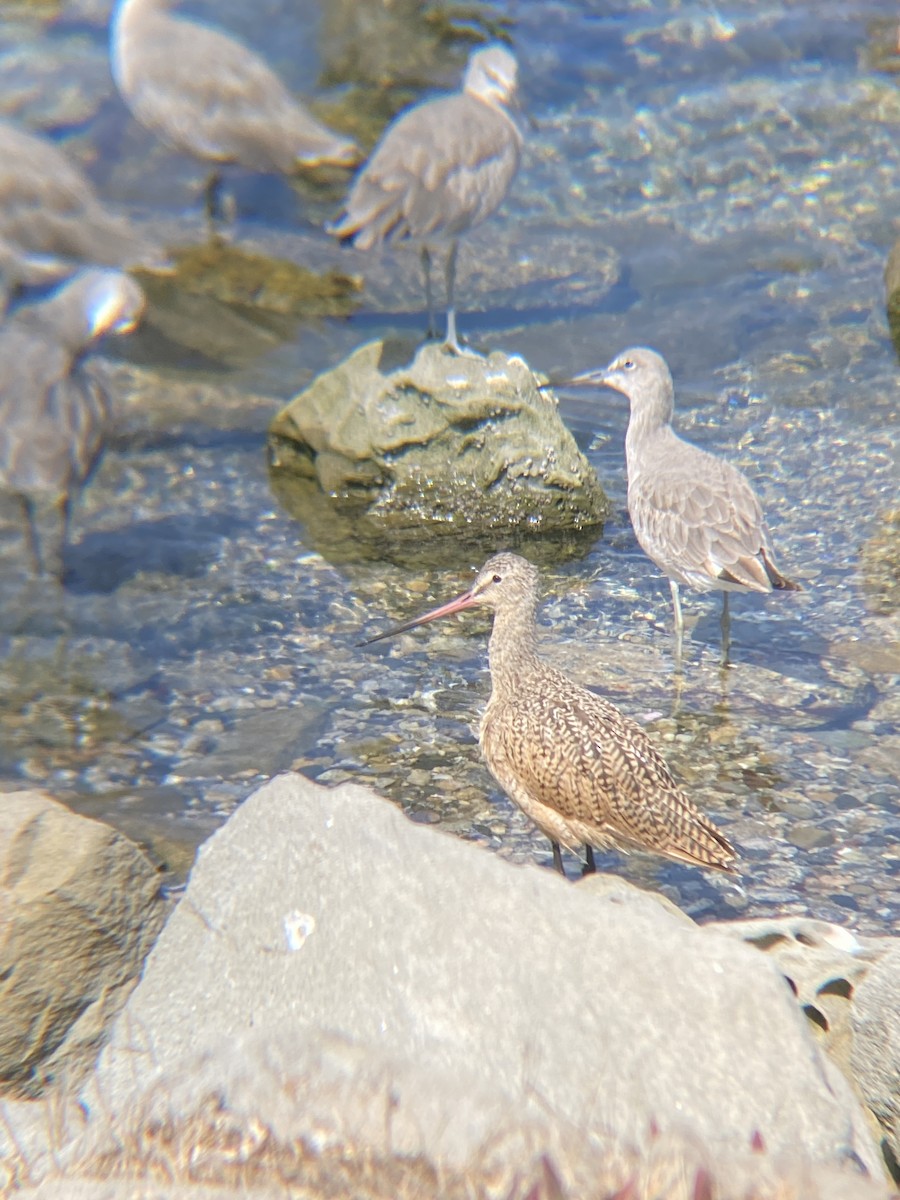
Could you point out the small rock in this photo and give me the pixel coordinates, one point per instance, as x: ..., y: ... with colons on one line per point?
x: 81, y: 909
x: 809, y: 837
x: 458, y: 444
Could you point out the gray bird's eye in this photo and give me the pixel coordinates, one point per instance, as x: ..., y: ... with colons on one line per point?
x: 628, y: 365
x: 497, y: 579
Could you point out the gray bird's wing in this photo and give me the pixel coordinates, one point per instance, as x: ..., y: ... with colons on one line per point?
x: 52, y: 417
x: 700, y: 521
x: 440, y: 168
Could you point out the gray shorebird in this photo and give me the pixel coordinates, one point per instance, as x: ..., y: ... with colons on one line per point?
x: 581, y: 770
x: 440, y: 169
x: 54, y: 414
x: 695, y: 515
x: 207, y: 95
x: 51, y: 219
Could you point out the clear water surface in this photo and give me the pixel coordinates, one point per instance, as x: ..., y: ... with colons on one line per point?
x: 719, y: 181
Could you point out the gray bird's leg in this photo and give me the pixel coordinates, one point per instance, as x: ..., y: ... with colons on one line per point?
x: 32, y: 540
x: 590, y: 867
x: 451, y: 342
x: 679, y: 624
x: 557, y: 859
x: 425, y: 255
x: 220, y: 208
x: 726, y: 629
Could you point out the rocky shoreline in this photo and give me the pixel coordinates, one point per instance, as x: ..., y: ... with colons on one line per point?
x: 339, y: 985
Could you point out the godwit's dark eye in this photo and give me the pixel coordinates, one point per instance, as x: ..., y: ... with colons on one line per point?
x: 628, y: 365
x: 497, y: 579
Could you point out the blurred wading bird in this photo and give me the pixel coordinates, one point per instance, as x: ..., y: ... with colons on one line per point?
x: 439, y: 170
x: 51, y: 219
x: 53, y: 413
x: 208, y: 95
x: 695, y: 515
x: 580, y: 769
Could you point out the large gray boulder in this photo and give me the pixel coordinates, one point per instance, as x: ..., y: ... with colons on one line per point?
x: 848, y: 988
x: 461, y: 445
x: 876, y: 1045
x: 337, y: 972
x: 80, y: 907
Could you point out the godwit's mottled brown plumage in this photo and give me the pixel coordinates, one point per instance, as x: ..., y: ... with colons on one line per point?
x: 439, y: 170
x: 694, y: 514
x: 584, y: 772
x: 53, y: 413
x: 208, y: 95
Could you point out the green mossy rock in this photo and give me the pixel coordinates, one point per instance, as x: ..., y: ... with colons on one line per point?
x: 458, y: 444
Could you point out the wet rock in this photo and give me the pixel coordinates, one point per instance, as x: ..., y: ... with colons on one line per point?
x: 441, y: 991
x: 805, y: 836
x: 849, y: 990
x: 876, y: 1045
x: 232, y: 305
x: 81, y: 909
x: 460, y: 445
x: 892, y: 292
x: 880, y: 556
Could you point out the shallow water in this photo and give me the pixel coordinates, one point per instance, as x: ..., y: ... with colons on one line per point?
x: 722, y: 182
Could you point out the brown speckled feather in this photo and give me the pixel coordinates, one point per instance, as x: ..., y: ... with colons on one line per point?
x: 581, y: 770
x: 587, y: 774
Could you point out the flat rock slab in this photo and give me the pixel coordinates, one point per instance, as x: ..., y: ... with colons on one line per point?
x: 458, y: 444
x: 334, y: 970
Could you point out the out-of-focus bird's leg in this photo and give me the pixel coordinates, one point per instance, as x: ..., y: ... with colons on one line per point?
x: 679, y: 624
x: 218, y: 208
x: 590, y: 867
x: 32, y: 539
x: 425, y: 255
x: 451, y: 342
x: 725, y: 623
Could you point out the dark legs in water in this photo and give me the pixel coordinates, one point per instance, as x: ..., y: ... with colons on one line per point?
x: 557, y: 858
x: 590, y: 866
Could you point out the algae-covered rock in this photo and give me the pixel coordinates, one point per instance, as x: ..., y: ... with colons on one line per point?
x: 461, y: 444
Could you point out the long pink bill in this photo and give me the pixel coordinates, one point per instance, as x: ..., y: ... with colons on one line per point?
x: 466, y: 600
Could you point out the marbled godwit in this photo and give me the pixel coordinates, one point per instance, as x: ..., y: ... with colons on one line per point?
x: 53, y: 414
x: 695, y: 515
x: 580, y: 769
x: 51, y: 220
x: 208, y: 95
x: 439, y: 170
